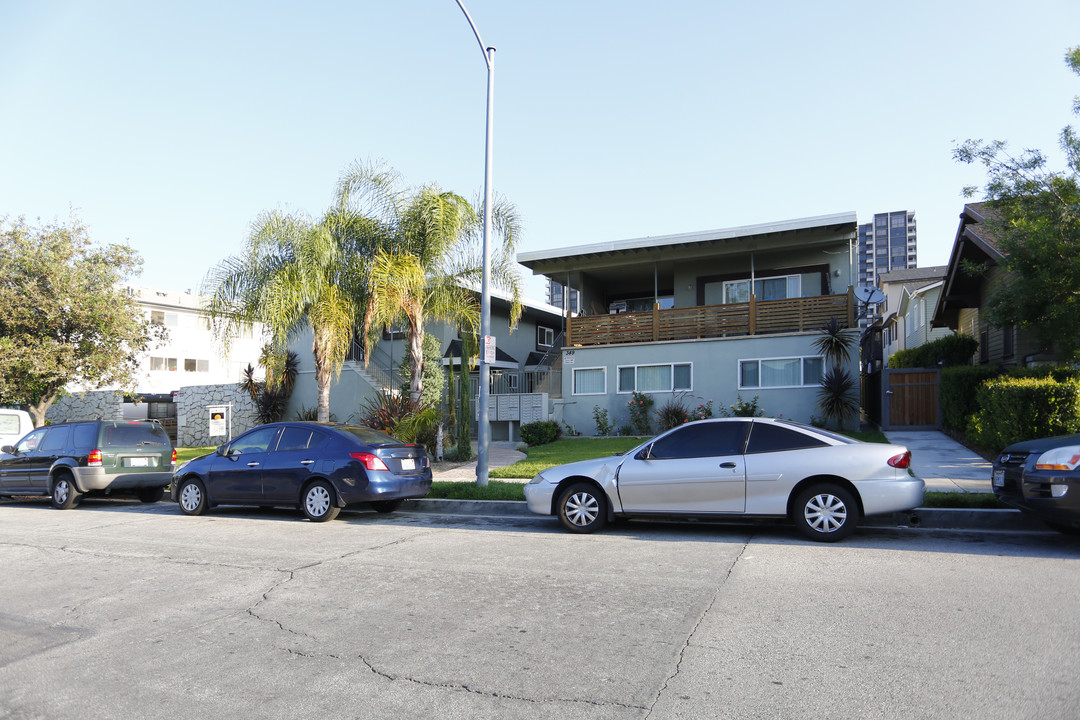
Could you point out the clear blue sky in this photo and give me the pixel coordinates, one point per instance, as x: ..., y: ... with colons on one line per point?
x: 172, y: 125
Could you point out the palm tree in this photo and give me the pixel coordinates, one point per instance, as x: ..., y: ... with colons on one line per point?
x: 428, y: 257
x: 295, y: 274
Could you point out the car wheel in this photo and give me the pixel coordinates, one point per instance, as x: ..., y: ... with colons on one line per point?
x: 318, y: 502
x: 386, y: 506
x: 582, y: 508
x: 150, y: 494
x: 192, y: 497
x: 64, y: 493
x: 825, y: 513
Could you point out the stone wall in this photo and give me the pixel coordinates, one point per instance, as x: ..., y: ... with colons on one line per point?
x: 193, y: 417
x: 91, y: 405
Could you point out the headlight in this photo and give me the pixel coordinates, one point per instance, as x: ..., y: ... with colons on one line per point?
x: 537, y: 480
x: 1062, y: 458
x: 183, y: 465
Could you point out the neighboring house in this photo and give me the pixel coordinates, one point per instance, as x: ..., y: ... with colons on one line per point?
x: 910, y: 298
x: 190, y: 357
x: 703, y: 316
x: 523, y: 366
x: 963, y: 301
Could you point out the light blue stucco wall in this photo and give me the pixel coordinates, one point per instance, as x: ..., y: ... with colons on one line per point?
x: 715, y: 376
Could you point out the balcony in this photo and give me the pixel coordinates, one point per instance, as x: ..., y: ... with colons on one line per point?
x: 712, y: 321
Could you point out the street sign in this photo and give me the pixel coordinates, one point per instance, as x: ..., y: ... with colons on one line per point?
x: 489, y: 349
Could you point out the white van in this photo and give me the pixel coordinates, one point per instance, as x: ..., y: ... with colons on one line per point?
x: 13, y: 425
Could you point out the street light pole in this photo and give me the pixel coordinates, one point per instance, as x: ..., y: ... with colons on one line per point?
x: 484, y: 430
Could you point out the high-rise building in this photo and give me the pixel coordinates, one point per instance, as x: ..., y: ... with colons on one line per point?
x: 886, y: 244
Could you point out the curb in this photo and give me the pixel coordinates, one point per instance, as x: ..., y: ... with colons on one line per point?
x: 924, y: 518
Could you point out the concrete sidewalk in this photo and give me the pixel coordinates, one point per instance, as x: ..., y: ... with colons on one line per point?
x: 944, y: 464
x: 500, y: 454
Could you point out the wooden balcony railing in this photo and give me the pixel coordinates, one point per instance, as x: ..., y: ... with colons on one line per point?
x: 709, y: 321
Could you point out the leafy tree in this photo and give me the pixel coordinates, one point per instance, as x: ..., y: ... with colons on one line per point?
x: 294, y: 274
x: 837, y: 392
x: 65, y: 319
x: 428, y: 254
x: 1035, y: 216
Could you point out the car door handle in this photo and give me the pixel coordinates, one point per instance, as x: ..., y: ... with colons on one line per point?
x: 728, y: 465
x: 253, y: 464
x: 307, y: 462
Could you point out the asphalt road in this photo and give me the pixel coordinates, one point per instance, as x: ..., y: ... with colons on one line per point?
x: 122, y: 610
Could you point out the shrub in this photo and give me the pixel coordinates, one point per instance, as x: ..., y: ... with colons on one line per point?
x: 640, y: 406
x: 957, y: 389
x: 396, y: 414
x: 838, y: 396
x: 540, y: 432
x: 603, y: 425
x: 1016, y: 409
x: 742, y: 408
x: 672, y: 414
x: 702, y: 411
x: 626, y: 430
x: 311, y: 414
x: 950, y: 351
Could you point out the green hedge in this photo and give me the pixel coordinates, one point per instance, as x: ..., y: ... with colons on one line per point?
x: 1016, y: 409
x: 949, y: 351
x: 957, y: 389
x: 541, y: 432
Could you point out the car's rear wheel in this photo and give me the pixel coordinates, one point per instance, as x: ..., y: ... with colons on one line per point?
x: 192, y: 497
x: 386, y: 506
x: 825, y: 512
x: 64, y: 493
x: 318, y: 502
x: 582, y: 508
x: 150, y: 494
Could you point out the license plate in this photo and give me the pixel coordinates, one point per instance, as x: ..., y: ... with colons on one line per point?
x: 408, y: 464
x: 138, y: 462
x: 999, y: 478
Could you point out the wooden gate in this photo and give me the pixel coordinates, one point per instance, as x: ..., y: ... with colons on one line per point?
x: 910, y: 399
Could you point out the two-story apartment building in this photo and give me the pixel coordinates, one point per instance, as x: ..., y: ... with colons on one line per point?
x: 703, y: 316
x: 911, y: 295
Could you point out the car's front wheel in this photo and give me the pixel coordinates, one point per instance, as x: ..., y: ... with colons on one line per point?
x: 582, y: 508
x: 825, y: 512
x: 192, y: 497
x: 318, y: 502
x: 64, y: 493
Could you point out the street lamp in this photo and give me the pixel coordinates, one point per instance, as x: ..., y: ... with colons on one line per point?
x: 484, y: 434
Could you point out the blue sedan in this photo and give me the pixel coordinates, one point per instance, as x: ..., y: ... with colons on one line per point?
x: 317, y: 467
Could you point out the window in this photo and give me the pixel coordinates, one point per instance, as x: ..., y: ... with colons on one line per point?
x: 196, y: 365
x: 655, y: 378
x: 781, y: 372
x: 590, y: 381
x: 545, y: 337
x: 56, y: 440
x: 766, y: 437
x: 1007, y: 342
x: 163, y: 364
x: 160, y: 317
x: 767, y: 288
x: 85, y: 437
x: 30, y: 442
x: 256, y: 441
x: 709, y: 439
x: 300, y: 438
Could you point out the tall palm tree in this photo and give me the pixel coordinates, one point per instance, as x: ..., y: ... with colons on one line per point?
x: 428, y: 257
x: 295, y: 274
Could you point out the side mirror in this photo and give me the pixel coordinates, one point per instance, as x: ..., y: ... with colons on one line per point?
x: 9, y: 449
x: 220, y: 450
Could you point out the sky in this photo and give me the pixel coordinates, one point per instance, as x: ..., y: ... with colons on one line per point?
x: 171, y: 125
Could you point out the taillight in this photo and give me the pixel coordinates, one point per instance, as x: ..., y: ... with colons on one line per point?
x: 174, y: 456
x: 369, y: 461
x: 901, y: 461
x: 94, y: 458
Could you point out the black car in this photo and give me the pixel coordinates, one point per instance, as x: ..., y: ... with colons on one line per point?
x: 69, y: 460
x: 318, y: 467
x: 1042, y: 477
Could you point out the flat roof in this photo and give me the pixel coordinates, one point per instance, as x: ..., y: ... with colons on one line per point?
x: 705, y: 236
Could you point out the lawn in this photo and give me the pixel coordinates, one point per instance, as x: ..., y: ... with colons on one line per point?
x: 560, y: 452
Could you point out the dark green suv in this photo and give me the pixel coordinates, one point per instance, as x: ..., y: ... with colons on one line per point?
x: 72, y: 459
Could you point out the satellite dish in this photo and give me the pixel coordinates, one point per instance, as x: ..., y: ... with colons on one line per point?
x: 867, y: 294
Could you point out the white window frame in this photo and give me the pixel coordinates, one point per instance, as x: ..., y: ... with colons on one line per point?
x: 548, y: 336
x: 750, y: 284
x: 573, y: 380
x: 672, y: 389
x: 759, y: 386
